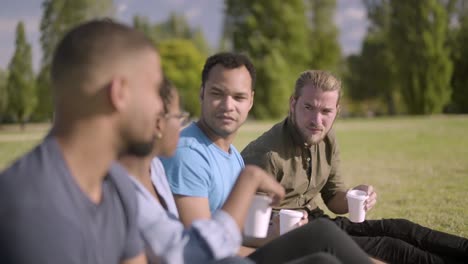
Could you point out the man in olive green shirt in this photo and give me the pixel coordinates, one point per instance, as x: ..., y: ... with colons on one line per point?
x: 302, y: 153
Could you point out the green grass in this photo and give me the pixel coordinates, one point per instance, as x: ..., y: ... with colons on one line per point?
x: 419, y: 165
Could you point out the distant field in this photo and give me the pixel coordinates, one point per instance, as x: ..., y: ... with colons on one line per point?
x: 419, y: 165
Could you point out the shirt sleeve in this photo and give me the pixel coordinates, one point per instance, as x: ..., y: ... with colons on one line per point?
x: 134, y: 244
x: 188, y: 172
x: 335, y: 180
x: 264, y: 160
x: 205, y: 240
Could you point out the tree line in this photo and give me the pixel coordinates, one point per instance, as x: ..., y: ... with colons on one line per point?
x: 413, y: 58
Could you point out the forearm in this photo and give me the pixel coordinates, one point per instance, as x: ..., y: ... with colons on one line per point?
x: 240, y: 198
x: 338, y: 204
x: 245, y: 251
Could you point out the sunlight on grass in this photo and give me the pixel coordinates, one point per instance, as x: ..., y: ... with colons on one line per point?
x: 419, y: 165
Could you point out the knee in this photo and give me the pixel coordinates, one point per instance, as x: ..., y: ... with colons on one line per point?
x: 321, y: 257
x: 403, y: 225
x: 321, y: 227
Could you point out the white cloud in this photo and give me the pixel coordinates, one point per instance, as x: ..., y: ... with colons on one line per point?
x: 121, y: 8
x: 350, y: 15
x: 192, y: 13
x: 8, y: 25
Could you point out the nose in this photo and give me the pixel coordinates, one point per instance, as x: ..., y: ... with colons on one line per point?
x: 228, y: 103
x: 316, y: 118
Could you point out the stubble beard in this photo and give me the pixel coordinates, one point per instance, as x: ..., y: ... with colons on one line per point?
x: 309, y: 140
x: 141, y: 149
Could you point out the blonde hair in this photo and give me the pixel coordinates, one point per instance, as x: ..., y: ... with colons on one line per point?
x: 318, y: 79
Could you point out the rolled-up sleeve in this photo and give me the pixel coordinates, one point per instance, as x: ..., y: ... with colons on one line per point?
x: 168, y: 241
x: 221, y: 234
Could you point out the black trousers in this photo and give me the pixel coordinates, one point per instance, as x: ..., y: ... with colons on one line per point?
x: 317, y: 258
x: 303, y: 244
x: 402, y: 241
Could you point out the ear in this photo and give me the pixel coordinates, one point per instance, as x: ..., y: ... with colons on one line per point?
x: 118, y: 93
x: 338, y: 110
x: 252, y: 101
x: 160, y: 126
x: 292, y: 104
x: 202, y: 90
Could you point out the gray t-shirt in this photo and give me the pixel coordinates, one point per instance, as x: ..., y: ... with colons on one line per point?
x: 46, y: 218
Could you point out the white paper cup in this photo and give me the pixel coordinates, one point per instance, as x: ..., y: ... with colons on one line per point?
x: 356, y: 199
x: 258, y: 217
x: 289, y: 219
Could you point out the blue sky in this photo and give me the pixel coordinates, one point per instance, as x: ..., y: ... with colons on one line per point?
x: 208, y: 14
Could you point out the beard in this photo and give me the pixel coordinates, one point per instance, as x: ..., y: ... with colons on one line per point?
x: 140, y: 149
x: 309, y: 139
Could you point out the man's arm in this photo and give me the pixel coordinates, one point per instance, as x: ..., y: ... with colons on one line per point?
x: 338, y: 203
x: 334, y: 191
x: 195, y: 208
x: 192, y: 208
x: 140, y: 259
x: 251, y: 180
x: 188, y: 174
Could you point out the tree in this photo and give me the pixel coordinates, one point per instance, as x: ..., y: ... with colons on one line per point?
x: 278, y: 47
x: 3, y: 94
x: 182, y: 63
x: 323, y: 37
x: 372, y: 74
x: 459, y: 49
x: 21, y: 87
x: 418, y: 38
x: 175, y: 27
x: 58, y: 17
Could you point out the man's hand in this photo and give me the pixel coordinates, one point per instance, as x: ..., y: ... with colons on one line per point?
x: 270, y: 186
x: 304, y: 219
x: 369, y: 189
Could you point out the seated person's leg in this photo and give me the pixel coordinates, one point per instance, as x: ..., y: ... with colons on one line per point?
x: 233, y: 260
x: 317, y: 258
x: 405, y: 236
x: 317, y: 236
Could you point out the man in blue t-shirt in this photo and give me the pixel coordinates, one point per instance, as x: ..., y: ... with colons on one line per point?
x: 203, y: 169
x: 206, y: 164
x: 66, y: 201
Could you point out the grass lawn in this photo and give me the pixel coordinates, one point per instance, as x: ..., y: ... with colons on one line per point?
x: 419, y: 165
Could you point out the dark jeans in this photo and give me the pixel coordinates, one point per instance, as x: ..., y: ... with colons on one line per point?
x: 317, y: 258
x: 402, y: 241
x: 302, y: 244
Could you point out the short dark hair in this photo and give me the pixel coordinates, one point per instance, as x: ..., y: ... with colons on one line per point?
x: 92, y: 45
x: 229, y: 60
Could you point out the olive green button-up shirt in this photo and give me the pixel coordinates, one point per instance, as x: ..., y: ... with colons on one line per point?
x: 304, y: 171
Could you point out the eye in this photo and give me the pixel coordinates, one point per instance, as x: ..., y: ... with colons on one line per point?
x: 216, y: 93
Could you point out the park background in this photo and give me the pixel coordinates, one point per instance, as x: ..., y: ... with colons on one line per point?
x: 404, y: 67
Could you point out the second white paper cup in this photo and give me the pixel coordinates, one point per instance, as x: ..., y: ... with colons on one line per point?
x: 258, y: 217
x: 289, y: 219
x: 356, y: 199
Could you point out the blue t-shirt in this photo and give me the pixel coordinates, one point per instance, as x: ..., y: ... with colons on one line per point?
x: 200, y: 168
x: 166, y: 238
x: 46, y: 218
